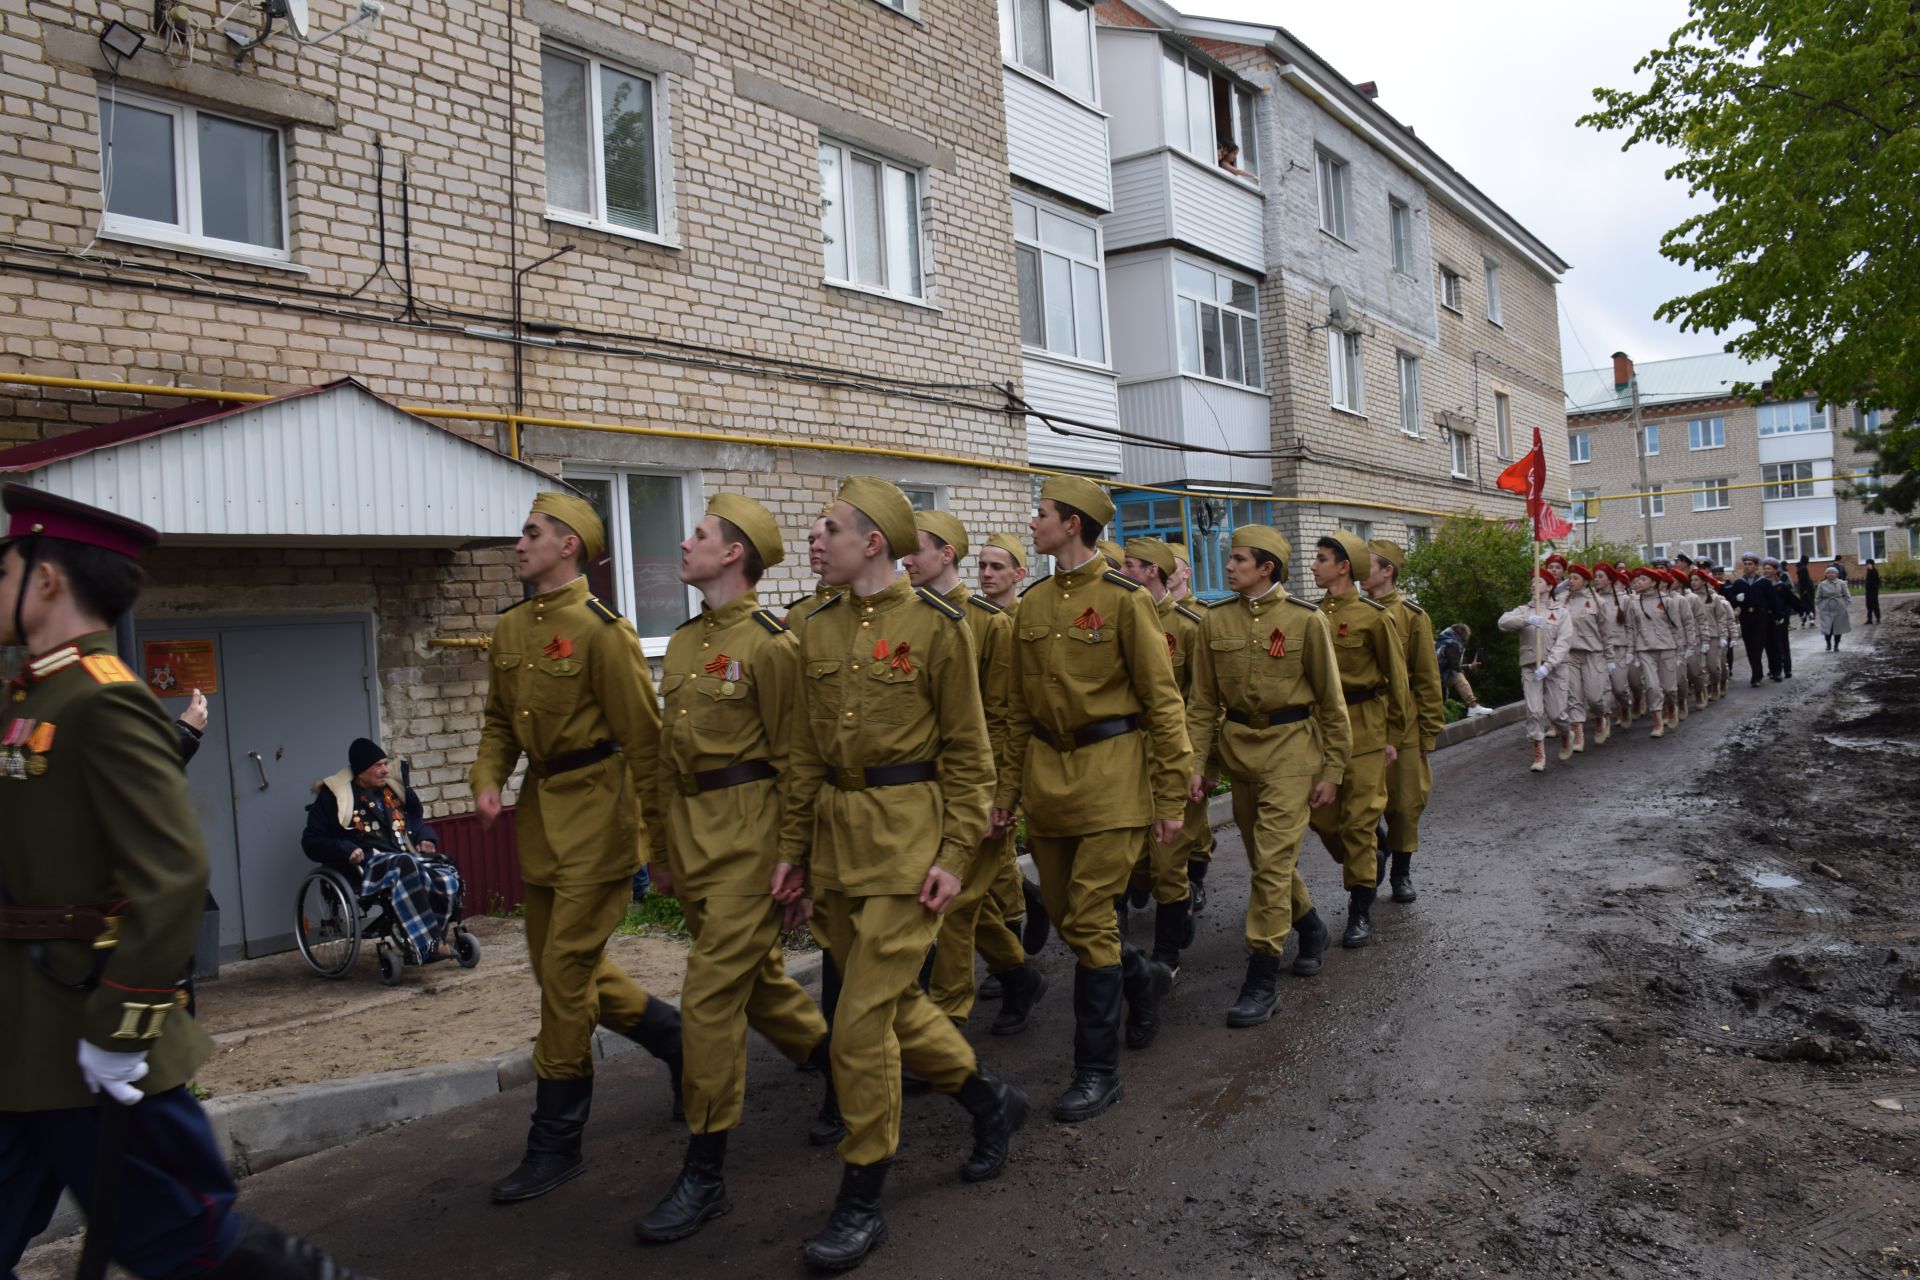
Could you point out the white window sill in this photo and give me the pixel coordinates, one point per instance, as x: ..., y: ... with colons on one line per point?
x: 611, y: 229
x: 204, y: 249
x: 1411, y: 435
x: 867, y: 291
x: 1338, y: 239
x: 1579, y: 462
x: 1071, y: 362
x: 1351, y: 413
x: 1460, y: 476
x: 911, y: 13
x: 1448, y: 306
x: 1054, y: 87
x: 1495, y: 323
x: 1704, y: 448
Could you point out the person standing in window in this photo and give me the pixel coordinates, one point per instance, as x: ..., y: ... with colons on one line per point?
x: 1229, y: 157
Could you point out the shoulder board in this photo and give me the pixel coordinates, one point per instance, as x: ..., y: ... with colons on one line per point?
x: 767, y: 620
x: 981, y: 602
x: 1114, y: 575
x: 828, y: 603
x: 1036, y: 582
x: 689, y: 622
x: 1301, y: 601
x: 516, y: 604
x: 1411, y: 606
x: 929, y: 598
x: 602, y: 610
x: 1186, y: 613
x: 1221, y: 603
x: 1377, y: 606
x: 105, y: 668
x: 797, y: 601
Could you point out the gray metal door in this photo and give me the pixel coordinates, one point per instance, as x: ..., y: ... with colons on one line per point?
x: 298, y: 691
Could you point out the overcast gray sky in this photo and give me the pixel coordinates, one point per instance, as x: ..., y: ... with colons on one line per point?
x: 1495, y: 86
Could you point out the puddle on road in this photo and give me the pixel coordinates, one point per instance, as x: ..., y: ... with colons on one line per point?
x: 1775, y: 880
x: 1848, y: 743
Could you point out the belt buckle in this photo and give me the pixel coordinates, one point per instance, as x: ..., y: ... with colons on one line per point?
x: 109, y: 935
x: 850, y: 778
x: 689, y: 785
x: 1064, y: 741
x: 1258, y: 720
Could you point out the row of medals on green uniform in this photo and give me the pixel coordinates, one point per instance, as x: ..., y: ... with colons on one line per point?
x: 23, y: 752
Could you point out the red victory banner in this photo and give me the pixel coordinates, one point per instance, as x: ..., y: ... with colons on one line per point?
x: 1528, y: 477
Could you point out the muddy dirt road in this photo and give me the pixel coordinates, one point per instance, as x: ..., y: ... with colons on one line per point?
x: 1629, y: 1029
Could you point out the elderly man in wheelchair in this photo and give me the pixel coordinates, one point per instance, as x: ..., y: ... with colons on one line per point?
x: 381, y: 874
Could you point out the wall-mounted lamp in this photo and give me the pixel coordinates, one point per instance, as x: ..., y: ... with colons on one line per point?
x: 121, y: 42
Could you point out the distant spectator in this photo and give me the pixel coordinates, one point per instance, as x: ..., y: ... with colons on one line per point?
x: 1832, y: 602
x: 1450, y: 647
x: 1873, y: 592
x: 1229, y: 157
x: 1803, y: 585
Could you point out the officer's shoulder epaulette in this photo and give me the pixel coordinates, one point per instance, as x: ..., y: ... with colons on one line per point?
x: 1412, y: 605
x: 106, y: 668
x: 1369, y: 600
x: 516, y: 604
x: 767, y: 620
x: 1186, y: 613
x: 1036, y: 582
x: 828, y: 603
x: 602, y: 610
x: 937, y: 601
x: 1114, y: 575
x: 979, y: 601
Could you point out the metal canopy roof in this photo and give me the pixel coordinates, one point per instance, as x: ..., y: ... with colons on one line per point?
x: 329, y: 464
x: 1710, y: 376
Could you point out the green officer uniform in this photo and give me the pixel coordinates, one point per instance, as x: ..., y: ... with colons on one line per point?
x: 1410, y: 777
x: 1267, y: 697
x: 1099, y: 734
x: 1373, y: 675
x: 570, y: 690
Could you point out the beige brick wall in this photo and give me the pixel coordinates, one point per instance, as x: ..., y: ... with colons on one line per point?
x: 1615, y: 470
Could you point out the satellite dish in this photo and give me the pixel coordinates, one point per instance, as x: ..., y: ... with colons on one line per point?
x: 1337, y: 314
x: 295, y: 12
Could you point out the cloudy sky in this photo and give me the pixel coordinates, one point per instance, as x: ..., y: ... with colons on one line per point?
x: 1494, y: 86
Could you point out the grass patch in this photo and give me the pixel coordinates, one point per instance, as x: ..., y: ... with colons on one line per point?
x: 655, y: 913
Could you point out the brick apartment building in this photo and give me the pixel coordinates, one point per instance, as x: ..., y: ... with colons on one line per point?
x: 1725, y: 475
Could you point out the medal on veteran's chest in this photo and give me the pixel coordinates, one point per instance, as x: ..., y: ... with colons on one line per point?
x: 12, y: 763
x: 1089, y: 622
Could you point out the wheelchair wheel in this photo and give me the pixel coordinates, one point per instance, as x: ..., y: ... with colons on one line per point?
x: 390, y: 964
x: 327, y: 925
x: 466, y: 948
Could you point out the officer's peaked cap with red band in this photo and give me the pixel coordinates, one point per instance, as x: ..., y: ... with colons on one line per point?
x: 35, y: 513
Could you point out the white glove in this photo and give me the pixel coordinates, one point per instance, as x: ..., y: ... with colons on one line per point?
x: 1741, y: 598
x: 1540, y: 672
x: 1535, y: 620
x: 114, y: 1072
x: 1703, y: 648
x: 1610, y: 666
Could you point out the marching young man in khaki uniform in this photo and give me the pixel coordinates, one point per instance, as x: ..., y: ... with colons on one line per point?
x: 974, y: 920
x: 1162, y: 869
x: 1003, y: 567
x: 570, y: 690
x: 1409, y: 778
x: 1099, y: 736
x: 1373, y: 676
x: 1200, y: 852
x: 893, y: 774
x: 1266, y: 701
x: 729, y: 678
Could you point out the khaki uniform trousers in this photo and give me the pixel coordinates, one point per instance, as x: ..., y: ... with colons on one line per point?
x: 1697, y: 671
x: 1349, y: 827
x: 1409, y: 783
x: 567, y: 931
x: 1621, y: 678
x: 1080, y: 876
x: 1009, y: 896
x: 1588, y: 685
x: 1163, y: 867
x: 736, y: 978
x: 1659, y: 674
x: 973, y: 921
x: 884, y: 1020
x: 1546, y: 702
x: 1272, y: 816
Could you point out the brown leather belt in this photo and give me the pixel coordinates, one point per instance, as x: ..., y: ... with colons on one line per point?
x: 1365, y: 695
x: 568, y: 761
x: 1087, y: 734
x: 1267, y: 719
x: 732, y: 775
x: 855, y: 778
x: 95, y: 922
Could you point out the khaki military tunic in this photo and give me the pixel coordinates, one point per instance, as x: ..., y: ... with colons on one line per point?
x: 97, y: 813
x: 1410, y: 778
x: 1163, y: 868
x: 1266, y: 698
x: 1373, y: 675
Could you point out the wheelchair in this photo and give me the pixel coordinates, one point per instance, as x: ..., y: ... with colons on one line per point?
x: 332, y: 917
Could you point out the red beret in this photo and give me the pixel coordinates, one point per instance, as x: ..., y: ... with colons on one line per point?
x: 36, y: 513
x: 1557, y: 558
x: 1580, y: 569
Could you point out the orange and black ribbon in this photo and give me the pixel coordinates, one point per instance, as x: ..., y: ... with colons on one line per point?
x: 1277, y: 644
x: 559, y: 647
x: 719, y: 665
x: 900, y: 661
x: 1089, y: 620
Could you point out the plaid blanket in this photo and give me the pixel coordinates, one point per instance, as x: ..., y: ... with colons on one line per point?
x: 423, y: 890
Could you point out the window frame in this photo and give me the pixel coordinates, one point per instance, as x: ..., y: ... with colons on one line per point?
x: 1400, y: 235
x: 1333, y: 182
x: 1451, y: 290
x: 1492, y: 276
x: 1694, y: 434
x: 1657, y: 492
x: 1584, y: 454
x: 1867, y: 421
x: 667, y: 231
x: 1648, y: 440
x: 1346, y: 372
x: 848, y: 153
x: 1780, y: 488
x: 1712, y: 487
x: 620, y: 532
x: 1578, y: 509
x: 1818, y: 418
x: 1407, y: 362
x: 1860, y: 546
x: 1237, y: 97
x: 1503, y: 425
x: 1183, y: 296
x: 1710, y: 549
x: 1775, y: 541
x: 1098, y: 264
x: 1459, y: 453
x: 186, y: 182
x: 1361, y: 529
x: 1011, y: 53
x: 1418, y: 536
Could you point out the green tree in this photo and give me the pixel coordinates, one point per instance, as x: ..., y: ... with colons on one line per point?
x: 1801, y: 120
x: 1472, y: 571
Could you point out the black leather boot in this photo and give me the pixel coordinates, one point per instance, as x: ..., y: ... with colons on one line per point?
x: 1039, y: 925
x: 856, y: 1226
x: 701, y: 1193
x: 1145, y: 982
x: 265, y: 1252
x: 553, y: 1141
x: 1020, y: 990
x: 1096, y: 1046
x: 1313, y: 943
x: 658, y: 1032
x: 828, y: 1127
x: 990, y: 988
x: 1359, y: 918
x: 1257, y: 997
x: 1380, y: 853
x: 1403, y: 878
x: 1197, y: 884
x: 998, y: 1110
x: 1172, y: 932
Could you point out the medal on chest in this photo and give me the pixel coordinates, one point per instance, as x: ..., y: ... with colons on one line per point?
x: 558, y: 647
x: 728, y: 669
x: 1089, y: 622
x: 12, y: 763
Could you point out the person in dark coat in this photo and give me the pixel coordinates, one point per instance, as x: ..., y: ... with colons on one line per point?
x: 1752, y: 598
x: 1873, y: 592
x: 1780, y: 630
x: 371, y: 827
x: 1803, y: 583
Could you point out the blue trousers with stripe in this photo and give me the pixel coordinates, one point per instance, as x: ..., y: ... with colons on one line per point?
x: 176, y: 1216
